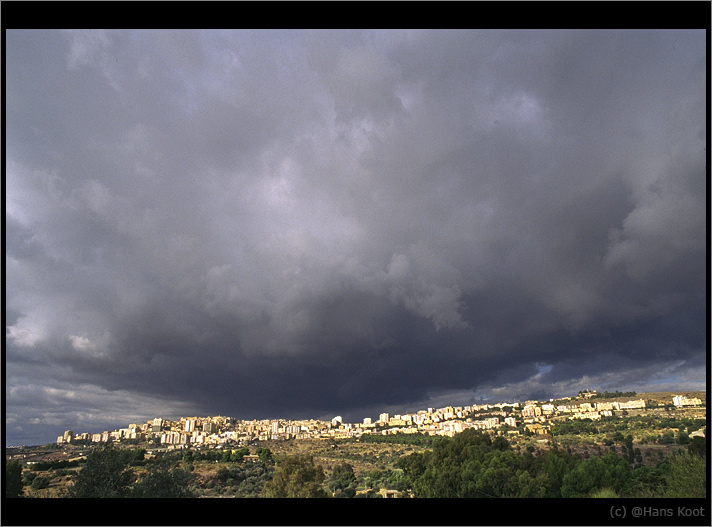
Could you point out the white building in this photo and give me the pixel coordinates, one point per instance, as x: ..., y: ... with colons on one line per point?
x: 682, y: 400
x: 640, y: 403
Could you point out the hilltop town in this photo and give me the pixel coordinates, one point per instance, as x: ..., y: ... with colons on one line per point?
x: 228, y: 457
x: 529, y: 418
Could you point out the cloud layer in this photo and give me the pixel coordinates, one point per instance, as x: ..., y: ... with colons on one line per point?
x: 306, y: 223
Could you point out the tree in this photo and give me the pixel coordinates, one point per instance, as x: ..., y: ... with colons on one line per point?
x: 667, y: 438
x: 341, y: 479
x: 237, y: 455
x: 697, y: 446
x: 646, y: 481
x: 105, y: 475
x: 555, y: 467
x: 501, y: 475
x: 222, y: 474
x: 472, y: 465
x: 164, y: 480
x: 135, y: 456
x: 297, y: 477
x: 265, y: 454
x: 13, y: 479
x: 397, y: 479
x: 687, y: 477
x: 501, y: 444
x: 528, y: 486
x: 40, y: 482
x: 628, y: 449
x: 582, y: 479
x: 498, y: 472
x: 610, y: 471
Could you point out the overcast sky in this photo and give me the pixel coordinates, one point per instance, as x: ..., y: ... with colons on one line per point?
x: 303, y: 224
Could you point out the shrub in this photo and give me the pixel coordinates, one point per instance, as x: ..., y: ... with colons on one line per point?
x: 40, y: 482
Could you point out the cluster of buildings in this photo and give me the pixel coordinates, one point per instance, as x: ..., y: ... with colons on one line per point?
x: 538, y: 416
x: 586, y: 410
x: 219, y: 430
x: 533, y: 416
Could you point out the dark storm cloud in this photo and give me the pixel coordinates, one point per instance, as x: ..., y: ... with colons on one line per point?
x: 305, y: 223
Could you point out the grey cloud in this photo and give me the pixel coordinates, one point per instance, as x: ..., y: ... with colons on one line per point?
x: 326, y: 221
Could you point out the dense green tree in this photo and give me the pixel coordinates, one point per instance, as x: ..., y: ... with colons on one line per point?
x: 502, y: 476
x: 582, y: 479
x: 105, y: 474
x: 472, y: 465
x: 396, y: 479
x: 697, y: 446
x: 500, y: 443
x: 251, y: 478
x: 413, y: 466
x: 628, y: 449
x: 237, y: 455
x: 135, y: 456
x: 610, y: 471
x: 265, y: 454
x: 222, y: 474
x: 645, y: 481
x: 399, y: 438
x: 554, y: 466
x: 687, y: 476
x: 13, y: 479
x: 577, y: 427
x: 476, y: 464
x: 297, y: 477
x: 528, y: 486
x: 341, y: 478
x: 526, y: 479
x: 342, y: 481
x: 210, y: 455
x: 164, y: 480
x: 667, y: 438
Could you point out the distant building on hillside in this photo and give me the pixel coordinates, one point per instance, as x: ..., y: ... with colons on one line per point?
x: 531, y: 410
x: 631, y: 405
x: 683, y: 400
x: 66, y: 437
